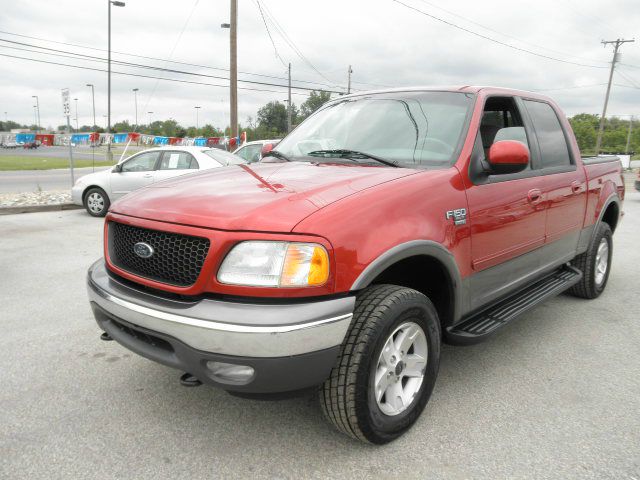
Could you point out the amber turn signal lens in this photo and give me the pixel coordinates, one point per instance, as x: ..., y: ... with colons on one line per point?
x: 305, y: 265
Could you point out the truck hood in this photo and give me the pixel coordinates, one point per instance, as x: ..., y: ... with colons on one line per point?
x: 268, y: 197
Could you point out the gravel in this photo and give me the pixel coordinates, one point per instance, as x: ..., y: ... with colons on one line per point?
x: 53, y: 197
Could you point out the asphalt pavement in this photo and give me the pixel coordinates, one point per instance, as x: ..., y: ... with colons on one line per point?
x: 555, y: 395
x: 17, y: 181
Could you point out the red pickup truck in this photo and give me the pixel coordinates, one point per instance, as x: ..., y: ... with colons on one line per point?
x: 386, y: 223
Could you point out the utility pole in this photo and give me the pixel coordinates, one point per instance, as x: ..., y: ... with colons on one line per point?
x: 616, y: 47
x: 233, y: 32
x: 38, y: 110
x: 197, y: 119
x: 93, y: 150
x: 289, y: 109
x: 626, y: 149
x: 135, y: 99
x: 349, y: 72
x: 76, y: 100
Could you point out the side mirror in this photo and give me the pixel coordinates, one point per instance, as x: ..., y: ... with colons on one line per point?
x: 117, y: 168
x: 508, y: 156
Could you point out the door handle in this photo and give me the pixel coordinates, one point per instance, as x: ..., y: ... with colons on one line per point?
x: 576, y: 187
x: 147, y: 175
x: 534, y: 196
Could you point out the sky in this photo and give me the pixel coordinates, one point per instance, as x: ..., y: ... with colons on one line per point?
x: 388, y: 43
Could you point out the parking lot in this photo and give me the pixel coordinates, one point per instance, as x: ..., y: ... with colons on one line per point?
x: 556, y: 395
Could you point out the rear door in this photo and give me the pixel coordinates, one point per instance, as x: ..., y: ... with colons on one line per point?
x: 137, y: 172
x: 564, y: 182
x: 174, y: 163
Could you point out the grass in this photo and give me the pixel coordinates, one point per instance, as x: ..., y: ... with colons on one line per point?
x: 45, y: 163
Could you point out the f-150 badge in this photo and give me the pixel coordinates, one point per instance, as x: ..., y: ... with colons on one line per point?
x: 459, y: 216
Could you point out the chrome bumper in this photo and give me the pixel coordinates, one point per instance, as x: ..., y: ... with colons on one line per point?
x: 227, y: 328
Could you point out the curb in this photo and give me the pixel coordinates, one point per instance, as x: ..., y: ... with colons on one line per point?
x: 38, y: 208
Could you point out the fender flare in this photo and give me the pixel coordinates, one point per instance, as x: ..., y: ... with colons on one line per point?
x: 414, y: 248
x: 587, y: 239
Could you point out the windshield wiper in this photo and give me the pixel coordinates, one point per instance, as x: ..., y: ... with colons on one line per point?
x: 277, y: 154
x: 352, y: 154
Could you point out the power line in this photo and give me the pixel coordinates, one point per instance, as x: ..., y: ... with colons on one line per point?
x: 275, y: 49
x: 92, y: 58
x: 568, y: 88
x: 491, y: 39
x: 291, y: 44
x: 144, y: 76
x: 157, y: 59
x: 628, y: 79
x: 507, y: 35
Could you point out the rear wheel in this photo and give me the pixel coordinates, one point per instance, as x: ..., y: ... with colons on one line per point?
x: 595, y: 264
x: 96, y: 202
x: 387, y: 366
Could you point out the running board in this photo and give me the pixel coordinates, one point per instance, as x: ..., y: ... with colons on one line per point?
x: 481, y: 325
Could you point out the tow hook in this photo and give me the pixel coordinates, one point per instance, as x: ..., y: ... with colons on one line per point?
x: 105, y: 337
x: 188, y: 380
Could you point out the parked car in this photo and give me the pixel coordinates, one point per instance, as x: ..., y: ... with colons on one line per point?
x: 434, y: 216
x: 97, y: 191
x: 10, y: 145
x: 253, y: 151
x: 30, y: 145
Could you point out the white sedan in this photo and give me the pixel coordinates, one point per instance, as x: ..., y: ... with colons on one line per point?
x: 97, y: 190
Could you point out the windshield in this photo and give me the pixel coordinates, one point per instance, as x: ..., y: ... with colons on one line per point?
x: 223, y: 157
x: 412, y: 129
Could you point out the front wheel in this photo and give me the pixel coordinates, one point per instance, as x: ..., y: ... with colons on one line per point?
x: 387, y: 366
x: 96, y: 202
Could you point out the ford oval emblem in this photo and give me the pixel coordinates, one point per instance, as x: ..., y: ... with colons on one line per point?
x: 143, y: 250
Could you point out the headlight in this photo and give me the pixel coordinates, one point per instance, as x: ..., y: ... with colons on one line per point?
x: 275, y: 264
x: 80, y: 181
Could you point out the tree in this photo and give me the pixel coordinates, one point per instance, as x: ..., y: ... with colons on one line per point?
x: 121, y: 127
x: 314, y: 102
x: 272, y: 118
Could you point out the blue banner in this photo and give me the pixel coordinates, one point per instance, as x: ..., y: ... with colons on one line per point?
x: 80, y: 138
x: 120, y: 138
x: 25, y: 137
x: 200, y: 142
x: 161, y: 140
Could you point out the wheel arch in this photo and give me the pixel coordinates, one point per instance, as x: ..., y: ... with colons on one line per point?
x: 89, y: 187
x: 423, y: 265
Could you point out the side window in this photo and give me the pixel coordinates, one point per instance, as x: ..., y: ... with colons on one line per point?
x: 178, y: 161
x: 553, y: 145
x: 501, y: 120
x: 141, y: 163
x: 253, y: 153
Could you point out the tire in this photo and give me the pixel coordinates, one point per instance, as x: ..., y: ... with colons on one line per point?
x: 593, y: 282
x: 348, y: 396
x: 96, y: 202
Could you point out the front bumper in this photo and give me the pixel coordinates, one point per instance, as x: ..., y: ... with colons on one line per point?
x: 289, y: 346
x: 76, y: 194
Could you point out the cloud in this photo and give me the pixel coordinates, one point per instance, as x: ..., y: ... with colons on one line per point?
x: 386, y: 43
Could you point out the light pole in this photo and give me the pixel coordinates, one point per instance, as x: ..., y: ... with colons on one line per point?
x: 93, y: 101
x: 76, y: 100
x: 150, y: 113
x: 115, y: 4
x: 135, y: 99
x: 38, y: 110
x: 233, y: 83
x: 35, y: 116
x: 197, y: 120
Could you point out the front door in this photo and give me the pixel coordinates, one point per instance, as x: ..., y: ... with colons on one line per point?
x: 507, y: 213
x: 136, y: 172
